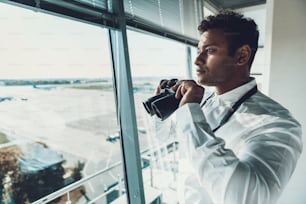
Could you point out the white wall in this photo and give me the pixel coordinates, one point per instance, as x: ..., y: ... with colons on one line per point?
x: 285, y: 48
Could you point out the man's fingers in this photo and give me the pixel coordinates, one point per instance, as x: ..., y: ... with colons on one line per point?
x: 165, y: 83
x: 162, y: 85
x: 171, y: 82
x: 178, y: 93
x: 189, y: 91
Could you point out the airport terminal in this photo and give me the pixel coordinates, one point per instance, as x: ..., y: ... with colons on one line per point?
x: 74, y: 76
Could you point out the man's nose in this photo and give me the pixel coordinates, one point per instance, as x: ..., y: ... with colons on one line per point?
x: 200, y: 59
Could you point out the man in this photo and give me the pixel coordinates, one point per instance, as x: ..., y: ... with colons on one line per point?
x: 237, y: 145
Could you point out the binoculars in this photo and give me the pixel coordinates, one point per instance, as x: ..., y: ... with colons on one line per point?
x: 163, y: 104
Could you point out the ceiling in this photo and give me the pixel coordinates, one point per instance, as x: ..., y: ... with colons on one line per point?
x: 234, y: 4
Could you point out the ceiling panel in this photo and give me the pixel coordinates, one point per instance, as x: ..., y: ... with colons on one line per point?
x: 234, y: 4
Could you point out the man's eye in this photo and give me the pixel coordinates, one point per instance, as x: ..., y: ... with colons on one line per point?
x: 210, y: 50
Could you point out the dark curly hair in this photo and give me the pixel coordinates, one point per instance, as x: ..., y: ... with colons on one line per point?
x: 238, y: 30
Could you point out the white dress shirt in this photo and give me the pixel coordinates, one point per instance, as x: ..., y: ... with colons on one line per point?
x: 249, y: 160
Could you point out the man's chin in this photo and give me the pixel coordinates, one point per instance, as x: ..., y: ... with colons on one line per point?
x: 201, y: 81
x: 205, y: 82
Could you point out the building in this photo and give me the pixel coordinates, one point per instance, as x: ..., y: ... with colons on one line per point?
x: 121, y: 39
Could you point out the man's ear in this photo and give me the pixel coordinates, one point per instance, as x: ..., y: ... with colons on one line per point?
x: 243, y: 55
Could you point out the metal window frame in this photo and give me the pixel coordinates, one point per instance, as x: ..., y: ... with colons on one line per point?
x: 122, y: 82
x: 126, y: 108
x: 84, y: 14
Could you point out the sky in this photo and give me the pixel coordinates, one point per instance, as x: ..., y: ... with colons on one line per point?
x: 38, y: 45
x: 35, y: 45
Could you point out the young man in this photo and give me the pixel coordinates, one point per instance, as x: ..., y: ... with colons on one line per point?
x: 237, y: 145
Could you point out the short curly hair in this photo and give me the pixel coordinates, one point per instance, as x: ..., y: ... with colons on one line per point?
x: 238, y: 30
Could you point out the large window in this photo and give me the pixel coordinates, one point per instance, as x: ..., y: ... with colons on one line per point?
x: 152, y: 59
x: 58, y: 119
x: 67, y: 105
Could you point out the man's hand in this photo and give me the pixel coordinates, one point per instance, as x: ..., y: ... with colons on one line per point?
x: 164, y: 83
x: 189, y: 91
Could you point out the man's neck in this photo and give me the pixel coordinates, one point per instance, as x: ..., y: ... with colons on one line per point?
x: 223, y: 89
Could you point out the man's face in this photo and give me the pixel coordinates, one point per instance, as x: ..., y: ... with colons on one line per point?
x: 214, y: 66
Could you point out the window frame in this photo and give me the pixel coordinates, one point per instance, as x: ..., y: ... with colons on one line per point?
x: 117, y: 23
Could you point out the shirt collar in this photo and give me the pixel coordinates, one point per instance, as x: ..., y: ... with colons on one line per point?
x: 234, y: 95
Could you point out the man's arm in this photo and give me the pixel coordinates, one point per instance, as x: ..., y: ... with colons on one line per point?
x: 257, y: 174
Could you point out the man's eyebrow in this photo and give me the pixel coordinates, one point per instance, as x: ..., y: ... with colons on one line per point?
x: 210, y: 44
x: 202, y: 45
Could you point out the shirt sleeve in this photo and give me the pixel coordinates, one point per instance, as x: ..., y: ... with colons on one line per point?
x: 164, y: 131
x: 257, y: 174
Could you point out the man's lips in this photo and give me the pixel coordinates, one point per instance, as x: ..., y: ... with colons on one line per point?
x: 201, y: 70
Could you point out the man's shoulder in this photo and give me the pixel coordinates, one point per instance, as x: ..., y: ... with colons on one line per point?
x: 263, y: 104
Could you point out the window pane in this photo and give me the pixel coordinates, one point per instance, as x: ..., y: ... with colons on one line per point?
x: 58, y: 117
x: 179, y: 17
x: 152, y: 59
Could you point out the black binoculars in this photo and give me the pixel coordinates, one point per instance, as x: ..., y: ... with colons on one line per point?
x: 163, y: 104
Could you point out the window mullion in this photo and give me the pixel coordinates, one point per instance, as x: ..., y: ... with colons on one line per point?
x: 126, y: 110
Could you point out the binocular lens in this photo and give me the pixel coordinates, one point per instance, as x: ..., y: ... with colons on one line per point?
x: 148, y: 103
x: 163, y: 104
x: 148, y: 107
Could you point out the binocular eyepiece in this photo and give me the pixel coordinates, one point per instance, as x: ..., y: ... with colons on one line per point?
x: 163, y: 104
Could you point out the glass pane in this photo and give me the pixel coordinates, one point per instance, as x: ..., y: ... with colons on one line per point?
x: 58, y: 117
x: 152, y: 59
x: 94, y: 3
x: 179, y: 17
